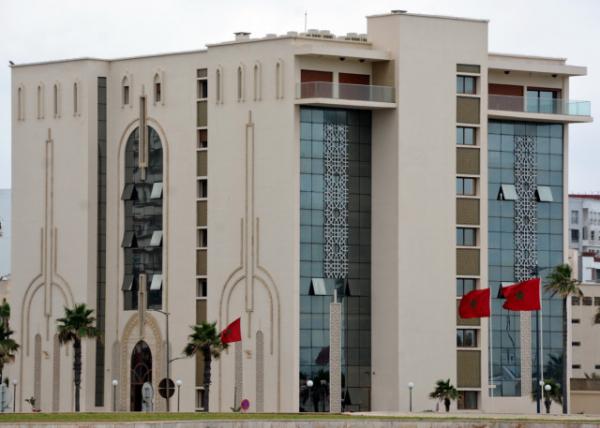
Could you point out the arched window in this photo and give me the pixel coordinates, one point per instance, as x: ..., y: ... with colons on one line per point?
x: 56, y: 100
x: 75, y: 99
x: 125, y: 91
x: 219, y: 86
x: 143, y: 210
x: 20, y: 107
x: 240, y: 83
x: 279, y: 80
x: 40, y: 101
x: 157, y: 85
x: 257, y: 82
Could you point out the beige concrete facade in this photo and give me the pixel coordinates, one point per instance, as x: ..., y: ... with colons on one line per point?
x: 253, y: 217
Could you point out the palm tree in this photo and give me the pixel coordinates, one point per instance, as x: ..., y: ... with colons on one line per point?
x: 8, y: 346
x: 206, y: 340
x: 77, y: 324
x: 444, y: 391
x: 560, y: 282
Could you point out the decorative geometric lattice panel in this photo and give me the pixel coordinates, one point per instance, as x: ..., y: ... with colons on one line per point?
x: 525, y: 208
x: 336, y: 201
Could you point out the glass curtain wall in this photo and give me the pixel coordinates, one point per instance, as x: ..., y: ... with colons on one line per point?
x: 335, y: 250
x: 545, y: 169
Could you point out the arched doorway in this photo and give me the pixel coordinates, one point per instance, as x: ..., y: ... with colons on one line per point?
x: 141, y: 372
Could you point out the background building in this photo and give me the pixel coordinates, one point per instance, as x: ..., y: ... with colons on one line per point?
x: 584, y: 223
x: 402, y: 168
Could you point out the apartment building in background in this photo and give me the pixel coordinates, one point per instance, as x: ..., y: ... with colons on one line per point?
x: 400, y: 168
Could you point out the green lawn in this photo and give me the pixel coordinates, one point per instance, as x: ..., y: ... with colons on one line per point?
x: 141, y: 417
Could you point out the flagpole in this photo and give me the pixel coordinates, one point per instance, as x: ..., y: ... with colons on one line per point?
x: 540, y: 351
x: 491, y: 385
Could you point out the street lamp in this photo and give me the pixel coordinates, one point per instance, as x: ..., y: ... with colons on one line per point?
x: 15, y: 381
x: 309, y: 385
x: 178, y: 382
x: 166, y: 314
x: 115, y: 382
x: 547, y: 400
x: 411, y: 385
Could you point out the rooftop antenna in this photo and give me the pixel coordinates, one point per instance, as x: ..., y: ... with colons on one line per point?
x: 305, y: 20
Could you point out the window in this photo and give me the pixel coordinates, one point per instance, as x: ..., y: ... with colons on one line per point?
x: 575, y: 301
x: 465, y: 186
x: 55, y: 100
x: 467, y: 400
x: 596, y: 301
x: 576, y: 366
x: 466, y: 84
x: 279, y: 80
x: 507, y: 192
x: 592, y: 235
x: 202, y: 89
x: 257, y: 82
x: 202, y: 188
x: 466, y: 338
x: 574, y: 235
x: 157, y: 88
x: 219, y: 86
x: 40, y: 102
x: 575, y: 321
x: 466, y: 236
x: 544, y: 194
x: 125, y: 91
x: 20, y: 104
x: 240, y: 83
x: 465, y: 136
x: 576, y: 343
x: 202, y: 238
x: 587, y: 301
x: 75, y: 98
x: 543, y: 101
x: 465, y: 285
x: 202, y: 73
x: 201, y: 287
x: 202, y: 136
x: 574, y: 217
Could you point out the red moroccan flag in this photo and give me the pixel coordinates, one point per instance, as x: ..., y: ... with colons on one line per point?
x: 475, y: 304
x: 232, y: 333
x: 524, y: 296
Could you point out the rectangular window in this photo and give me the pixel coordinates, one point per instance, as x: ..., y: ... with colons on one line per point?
x: 575, y: 301
x: 157, y: 92
x: 202, y: 139
x: 576, y: 366
x: 587, y: 301
x: 466, y: 338
x: 465, y: 285
x: 201, y: 287
x: 202, y: 238
x: 202, y: 89
x: 467, y: 400
x: 596, y: 301
x: 576, y: 343
x: 543, y: 101
x: 575, y: 320
x: 574, y: 217
x: 466, y: 236
x: 574, y: 235
x: 465, y: 186
x: 125, y: 95
x: 466, y: 84
x: 201, y: 73
x: 202, y: 188
x: 597, y: 366
x: 465, y: 136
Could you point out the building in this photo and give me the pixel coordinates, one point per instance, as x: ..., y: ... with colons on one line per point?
x: 584, y: 223
x: 402, y: 168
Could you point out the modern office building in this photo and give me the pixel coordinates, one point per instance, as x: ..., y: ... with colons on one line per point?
x: 584, y: 223
x: 401, y: 168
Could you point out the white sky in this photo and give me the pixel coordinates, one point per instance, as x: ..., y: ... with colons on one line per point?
x: 38, y: 30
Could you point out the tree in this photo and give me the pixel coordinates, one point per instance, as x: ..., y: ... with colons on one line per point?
x: 205, y: 340
x: 77, y: 324
x: 560, y: 282
x: 597, y: 317
x: 444, y: 391
x: 8, y: 346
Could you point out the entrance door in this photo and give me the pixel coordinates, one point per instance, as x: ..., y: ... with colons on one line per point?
x: 141, y: 372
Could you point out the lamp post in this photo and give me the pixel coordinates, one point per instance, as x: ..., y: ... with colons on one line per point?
x: 547, y: 400
x: 309, y: 385
x: 178, y: 382
x: 115, y: 383
x: 15, y: 381
x: 166, y: 314
x: 411, y: 385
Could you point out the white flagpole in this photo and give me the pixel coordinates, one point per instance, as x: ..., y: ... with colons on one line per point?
x: 540, y: 341
x: 491, y: 385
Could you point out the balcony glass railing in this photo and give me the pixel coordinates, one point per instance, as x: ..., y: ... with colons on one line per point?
x: 539, y: 105
x: 345, y: 91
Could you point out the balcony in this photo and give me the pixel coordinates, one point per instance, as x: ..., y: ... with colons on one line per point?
x: 345, y: 95
x: 539, y: 108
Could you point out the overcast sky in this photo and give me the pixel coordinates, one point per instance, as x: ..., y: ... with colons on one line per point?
x: 39, y: 30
